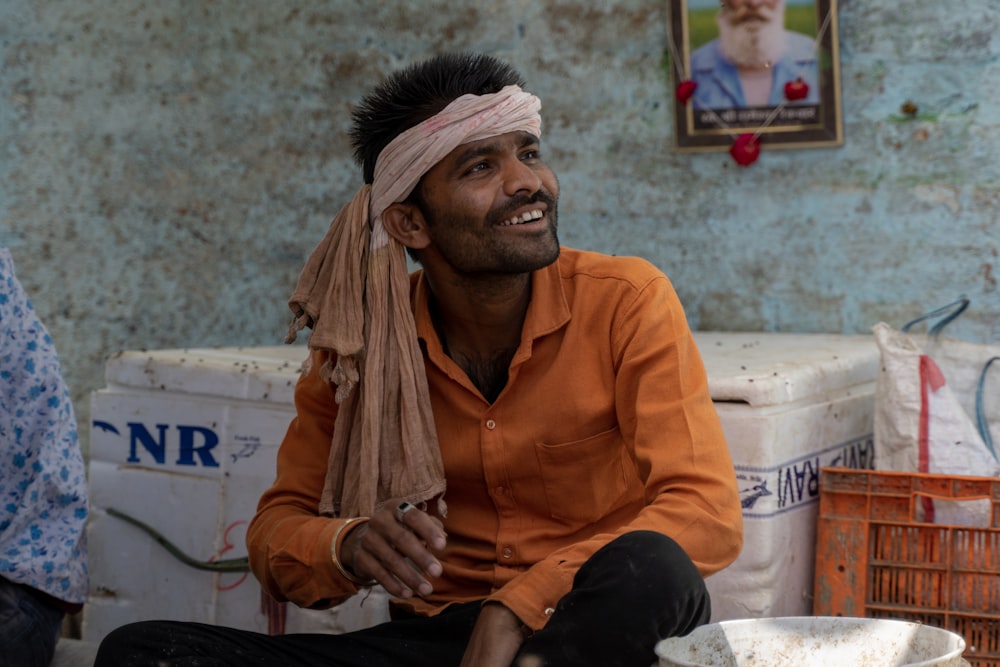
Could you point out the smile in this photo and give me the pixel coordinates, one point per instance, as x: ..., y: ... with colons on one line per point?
x: 530, y: 216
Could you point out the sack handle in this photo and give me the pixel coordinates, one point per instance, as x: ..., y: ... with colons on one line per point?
x: 919, y: 497
x: 958, y: 307
x: 950, y: 312
x: 981, y: 425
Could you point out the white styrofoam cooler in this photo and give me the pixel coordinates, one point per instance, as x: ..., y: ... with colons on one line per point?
x: 789, y: 404
x: 185, y: 441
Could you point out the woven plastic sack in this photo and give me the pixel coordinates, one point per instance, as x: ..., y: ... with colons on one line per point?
x: 937, y: 410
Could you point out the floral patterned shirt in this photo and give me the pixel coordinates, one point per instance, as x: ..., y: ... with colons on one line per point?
x: 43, y: 489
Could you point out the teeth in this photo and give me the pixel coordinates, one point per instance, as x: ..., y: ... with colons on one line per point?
x: 527, y: 217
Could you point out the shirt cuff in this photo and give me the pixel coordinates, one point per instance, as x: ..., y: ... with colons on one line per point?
x: 533, y: 595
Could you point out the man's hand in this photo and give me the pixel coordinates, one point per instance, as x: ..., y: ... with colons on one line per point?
x: 397, y: 554
x: 495, y: 639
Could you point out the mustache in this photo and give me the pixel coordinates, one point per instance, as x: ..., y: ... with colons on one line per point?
x: 748, y: 14
x: 542, y: 196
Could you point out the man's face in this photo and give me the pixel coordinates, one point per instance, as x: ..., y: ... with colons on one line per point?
x: 752, y: 32
x: 490, y: 207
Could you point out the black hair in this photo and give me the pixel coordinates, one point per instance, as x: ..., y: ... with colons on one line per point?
x: 414, y: 94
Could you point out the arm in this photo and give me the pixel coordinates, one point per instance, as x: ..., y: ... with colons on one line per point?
x: 288, y: 543
x: 44, y: 485
x: 496, y: 638
x: 289, y: 546
x: 672, y: 434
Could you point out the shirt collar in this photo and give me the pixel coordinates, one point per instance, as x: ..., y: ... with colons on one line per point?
x: 548, y: 310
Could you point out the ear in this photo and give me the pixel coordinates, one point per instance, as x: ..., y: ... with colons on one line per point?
x: 405, y: 223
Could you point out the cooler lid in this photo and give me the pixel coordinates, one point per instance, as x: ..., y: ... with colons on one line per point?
x: 759, y: 369
x: 764, y: 369
x: 245, y: 373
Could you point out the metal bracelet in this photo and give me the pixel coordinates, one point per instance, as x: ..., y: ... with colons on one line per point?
x: 353, y: 578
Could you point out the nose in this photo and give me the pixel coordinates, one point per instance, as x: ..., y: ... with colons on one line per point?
x: 520, y: 177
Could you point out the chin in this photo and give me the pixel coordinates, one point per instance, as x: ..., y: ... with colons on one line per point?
x: 516, y: 262
x: 549, y: 256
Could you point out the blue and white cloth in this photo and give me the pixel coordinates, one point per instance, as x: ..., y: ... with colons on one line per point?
x: 43, y: 488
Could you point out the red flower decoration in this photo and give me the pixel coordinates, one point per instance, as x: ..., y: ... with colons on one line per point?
x: 685, y: 89
x: 796, y: 90
x: 745, y: 150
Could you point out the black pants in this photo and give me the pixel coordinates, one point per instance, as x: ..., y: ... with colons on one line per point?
x: 29, y: 626
x: 636, y: 590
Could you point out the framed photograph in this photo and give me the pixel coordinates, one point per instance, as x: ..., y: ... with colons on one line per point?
x: 768, y: 68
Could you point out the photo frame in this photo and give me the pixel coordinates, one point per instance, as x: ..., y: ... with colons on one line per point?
x: 792, y: 101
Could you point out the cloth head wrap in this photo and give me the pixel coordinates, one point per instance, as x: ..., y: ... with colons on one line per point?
x: 354, y: 293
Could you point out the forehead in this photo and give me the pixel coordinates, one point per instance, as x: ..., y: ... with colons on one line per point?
x: 490, y: 145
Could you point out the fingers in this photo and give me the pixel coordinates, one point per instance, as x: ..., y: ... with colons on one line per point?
x: 380, y: 560
x: 396, y: 550
x: 427, y: 527
x: 401, y: 511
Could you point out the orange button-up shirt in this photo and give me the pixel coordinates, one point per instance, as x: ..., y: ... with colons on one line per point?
x: 605, y: 426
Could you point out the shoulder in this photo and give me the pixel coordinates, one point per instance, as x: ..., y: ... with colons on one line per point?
x: 8, y: 281
x: 799, y: 46
x: 13, y: 301
x: 584, y: 265
x: 705, y: 57
x: 618, y: 294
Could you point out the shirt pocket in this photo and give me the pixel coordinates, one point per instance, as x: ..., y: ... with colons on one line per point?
x: 584, y: 480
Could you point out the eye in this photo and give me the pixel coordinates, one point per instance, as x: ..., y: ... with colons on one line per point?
x: 477, y: 167
x: 531, y: 154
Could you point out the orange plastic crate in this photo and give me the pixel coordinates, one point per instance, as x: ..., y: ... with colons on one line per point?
x: 876, y: 557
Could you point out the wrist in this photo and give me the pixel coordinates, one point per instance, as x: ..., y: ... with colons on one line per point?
x: 339, y: 537
x: 514, y: 621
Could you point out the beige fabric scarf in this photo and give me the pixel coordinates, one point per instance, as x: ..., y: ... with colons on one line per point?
x: 354, y: 294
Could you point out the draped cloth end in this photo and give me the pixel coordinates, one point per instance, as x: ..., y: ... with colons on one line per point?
x: 356, y: 301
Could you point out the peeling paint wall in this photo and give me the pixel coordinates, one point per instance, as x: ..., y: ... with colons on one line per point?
x: 166, y: 167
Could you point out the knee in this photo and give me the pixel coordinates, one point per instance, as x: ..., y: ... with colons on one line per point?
x: 122, y: 644
x: 652, y: 566
x: 634, y: 591
x: 110, y: 648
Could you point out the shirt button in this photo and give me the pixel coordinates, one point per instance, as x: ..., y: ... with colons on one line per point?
x: 490, y: 424
x: 507, y: 552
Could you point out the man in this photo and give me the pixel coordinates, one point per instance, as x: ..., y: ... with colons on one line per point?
x: 753, y: 58
x: 43, y: 487
x: 574, y: 484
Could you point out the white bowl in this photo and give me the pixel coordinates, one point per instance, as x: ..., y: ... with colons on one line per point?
x: 822, y: 641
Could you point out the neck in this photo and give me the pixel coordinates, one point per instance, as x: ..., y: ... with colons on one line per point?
x: 481, y: 316
x: 480, y: 325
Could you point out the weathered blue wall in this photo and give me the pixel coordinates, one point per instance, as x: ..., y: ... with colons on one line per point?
x: 166, y: 167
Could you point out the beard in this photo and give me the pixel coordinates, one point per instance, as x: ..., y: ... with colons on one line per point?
x: 486, y: 253
x: 752, y: 38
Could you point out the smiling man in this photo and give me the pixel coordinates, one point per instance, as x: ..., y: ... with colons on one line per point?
x: 516, y: 441
x: 753, y: 58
